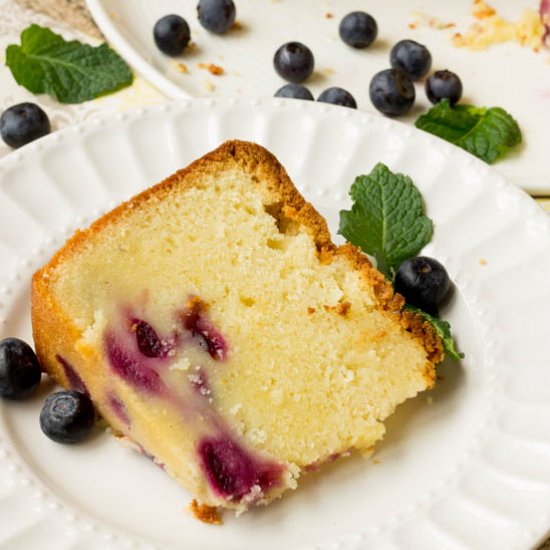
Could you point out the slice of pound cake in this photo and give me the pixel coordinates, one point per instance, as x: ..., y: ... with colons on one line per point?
x: 215, y: 324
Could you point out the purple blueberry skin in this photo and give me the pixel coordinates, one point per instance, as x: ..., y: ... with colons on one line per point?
x: 171, y: 34
x: 392, y: 92
x: 196, y: 322
x: 20, y: 370
x: 294, y: 91
x: 216, y: 16
x: 22, y: 123
x: 358, y: 29
x: 148, y: 340
x: 67, y: 416
x: 131, y: 367
x: 294, y: 62
x: 338, y: 96
x: 232, y: 471
x: 423, y: 282
x: 444, y: 85
x: 411, y: 57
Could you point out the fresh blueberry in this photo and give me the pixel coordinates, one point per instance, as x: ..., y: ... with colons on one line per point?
x: 392, y: 92
x: 19, y: 369
x: 293, y: 61
x: 358, y: 29
x: 23, y: 123
x: 444, y: 85
x: 337, y: 96
x: 216, y: 16
x: 412, y: 57
x: 171, y: 34
x: 423, y: 282
x: 294, y: 91
x: 67, y: 416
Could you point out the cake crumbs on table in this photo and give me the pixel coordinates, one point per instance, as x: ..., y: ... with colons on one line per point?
x: 490, y: 28
x: 209, y: 87
x: 182, y: 68
x: 213, y: 69
x: 329, y: 15
x: 205, y: 513
x: 482, y: 261
x: 421, y: 19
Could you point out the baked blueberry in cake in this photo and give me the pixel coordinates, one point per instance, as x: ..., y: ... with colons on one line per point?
x: 214, y: 323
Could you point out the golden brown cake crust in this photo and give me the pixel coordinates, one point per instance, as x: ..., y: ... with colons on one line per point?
x: 53, y: 331
x: 205, y: 513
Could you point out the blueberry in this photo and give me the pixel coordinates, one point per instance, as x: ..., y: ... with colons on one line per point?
x: 423, y: 282
x: 148, y: 341
x: 337, y: 96
x: 19, y: 369
x: 294, y: 91
x: 171, y: 34
x: 293, y: 61
x: 22, y: 123
x: 412, y: 57
x: 67, y: 416
x: 444, y: 85
x: 392, y: 92
x: 358, y: 29
x: 216, y: 16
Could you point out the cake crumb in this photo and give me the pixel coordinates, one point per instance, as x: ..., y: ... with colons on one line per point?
x: 205, y: 513
x: 237, y: 26
x: 482, y: 10
x: 182, y: 68
x: 329, y: 15
x: 482, y: 261
x: 209, y: 87
x: 216, y: 70
x: 310, y: 310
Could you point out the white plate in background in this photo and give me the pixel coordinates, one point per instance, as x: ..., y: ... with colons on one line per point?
x: 507, y: 75
x: 466, y: 465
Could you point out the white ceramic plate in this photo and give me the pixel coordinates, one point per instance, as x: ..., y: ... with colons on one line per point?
x: 466, y: 465
x: 507, y: 75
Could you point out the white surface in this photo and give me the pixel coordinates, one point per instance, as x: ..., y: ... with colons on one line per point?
x: 508, y: 75
x: 470, y: 470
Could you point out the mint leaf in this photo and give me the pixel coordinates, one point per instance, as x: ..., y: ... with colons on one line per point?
x: 72, y: 72
x: 487, y: 133
x: 386, y: 219
x: 443, y: 330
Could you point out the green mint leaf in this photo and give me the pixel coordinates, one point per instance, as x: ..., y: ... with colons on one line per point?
x: 487, y: 133
x: 386, y: 219
x: 443, y: 330
x: 71, y: 72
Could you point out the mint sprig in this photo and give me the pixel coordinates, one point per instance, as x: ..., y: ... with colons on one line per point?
x: 71, y: 72
x: 443, y: 330
x: 487, y: 133
x: 386, y: 219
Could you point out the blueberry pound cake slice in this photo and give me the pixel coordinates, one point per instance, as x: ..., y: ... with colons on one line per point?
x: 214, y: 324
